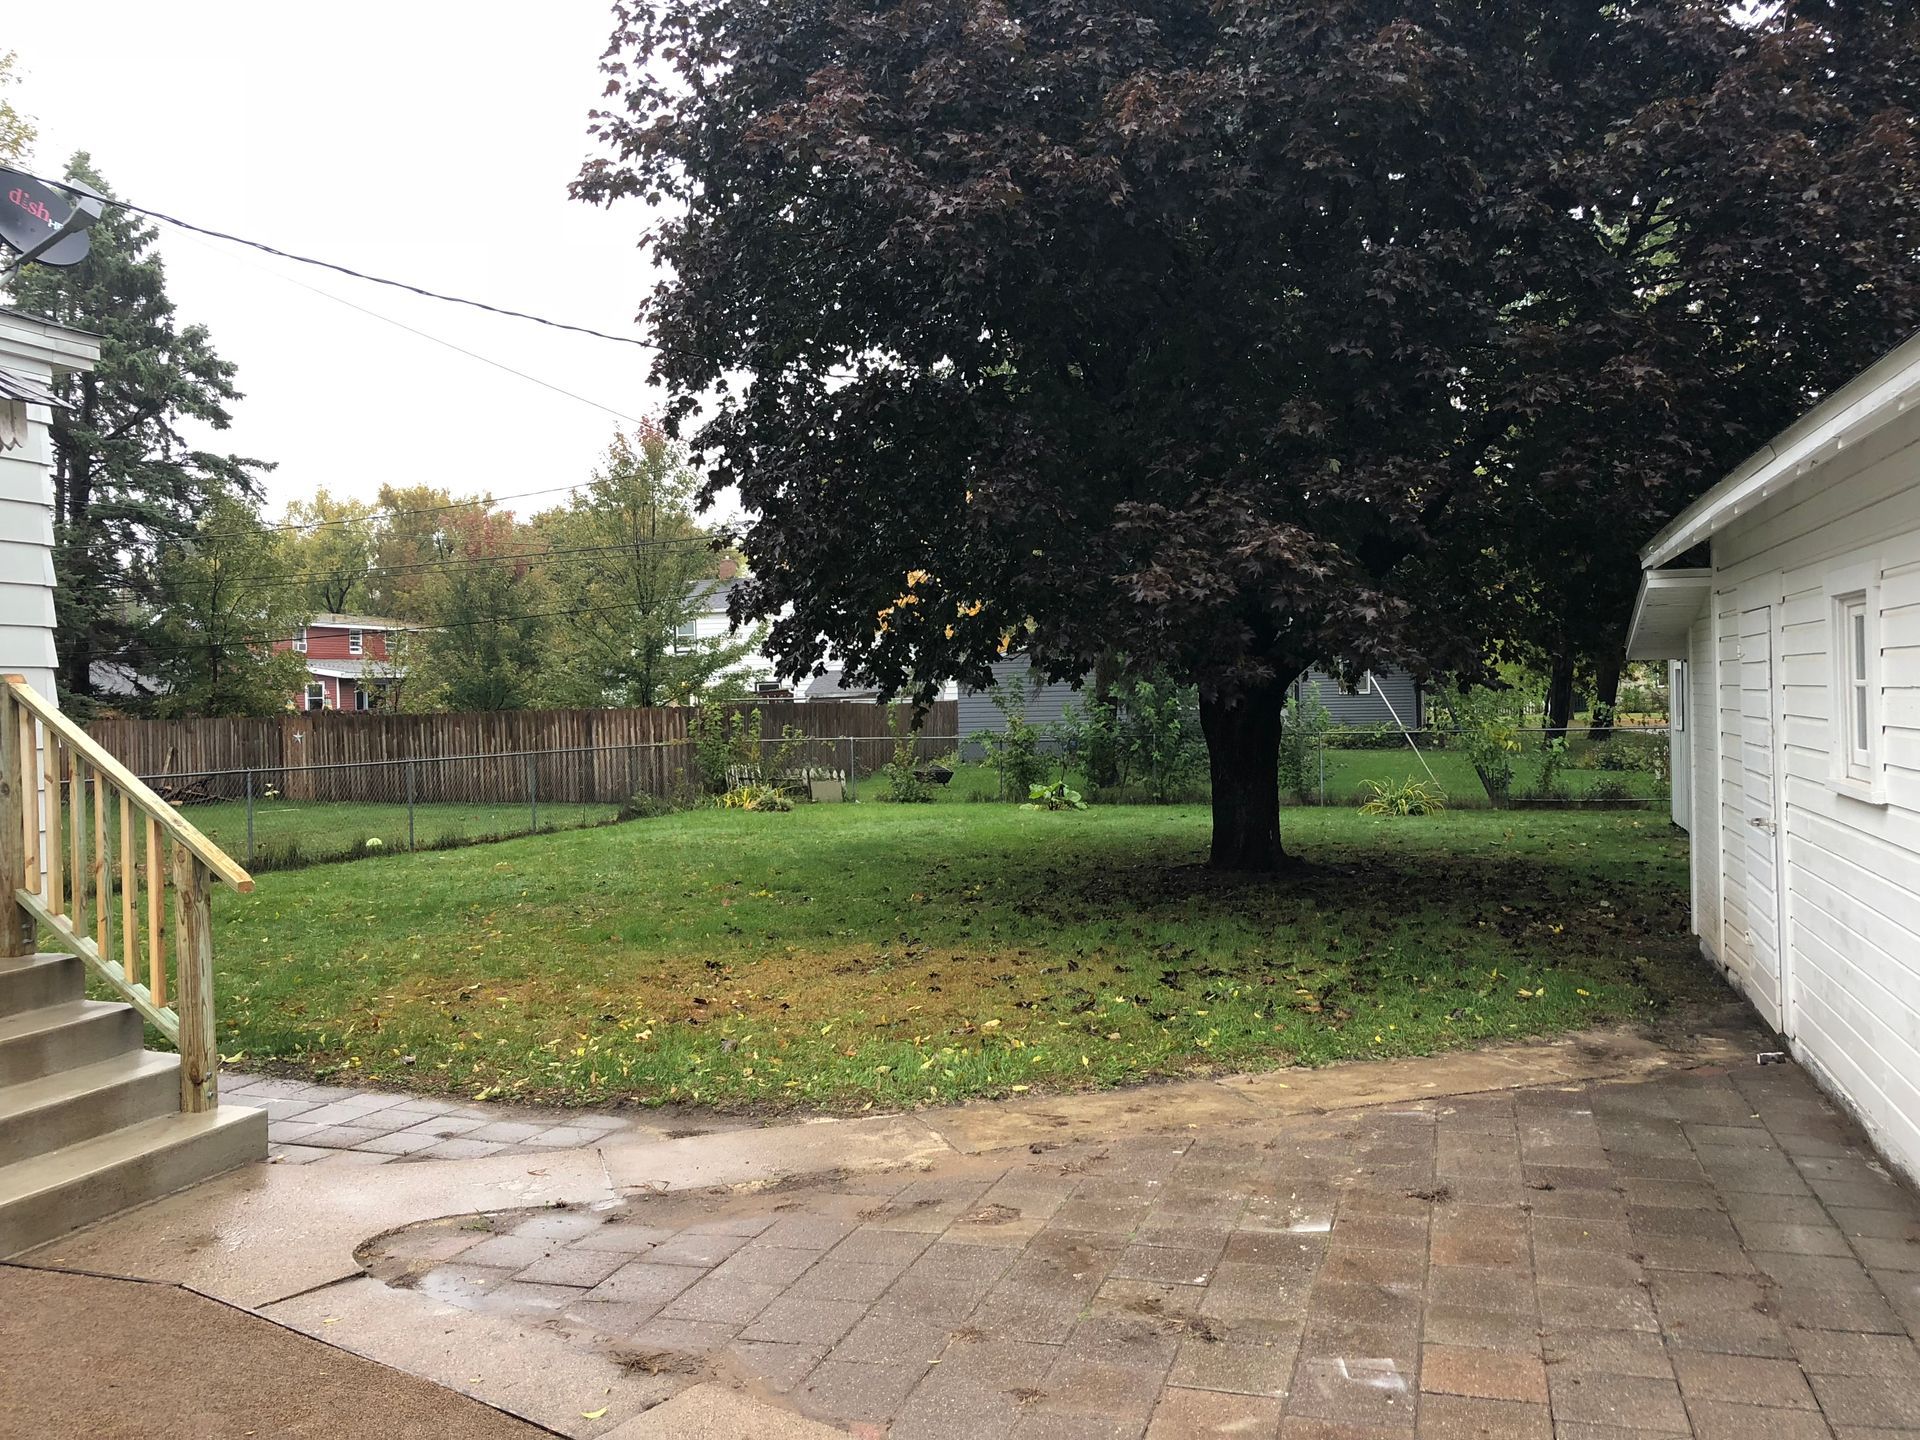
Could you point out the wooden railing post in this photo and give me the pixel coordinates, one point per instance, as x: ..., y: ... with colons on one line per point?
x: 17, y: 930
x: 193, y: 981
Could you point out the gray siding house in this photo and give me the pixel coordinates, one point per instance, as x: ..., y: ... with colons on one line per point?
x: 1378, y: 700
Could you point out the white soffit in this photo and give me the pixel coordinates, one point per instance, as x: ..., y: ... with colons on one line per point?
x: 1669, y: 602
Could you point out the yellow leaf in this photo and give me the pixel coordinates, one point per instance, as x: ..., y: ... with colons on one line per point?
x: 593, y: 1414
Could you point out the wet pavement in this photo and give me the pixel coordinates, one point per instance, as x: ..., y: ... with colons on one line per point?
x: 309, y: 1122
x: 1712, y: 1252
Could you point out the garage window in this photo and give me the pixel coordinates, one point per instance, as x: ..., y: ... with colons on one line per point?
x: 1857, y: 747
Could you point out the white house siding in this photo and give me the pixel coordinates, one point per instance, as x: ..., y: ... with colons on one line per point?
x: 1703, y: 750
x: 37, y: 351
x: 1846, y: 988
x: 1679, y: 737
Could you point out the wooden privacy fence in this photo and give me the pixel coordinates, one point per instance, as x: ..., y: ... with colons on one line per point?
x: 486, y: 757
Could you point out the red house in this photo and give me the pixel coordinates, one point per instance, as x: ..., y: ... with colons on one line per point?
x: 350, y: 663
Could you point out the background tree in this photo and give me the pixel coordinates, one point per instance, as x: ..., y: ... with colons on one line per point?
x: 1753, y: 246
x: 629, y: 577
x: 1213, y: 331
x: 331, y: 552
x: 410, y: 539
x: 127, y: 478
x: 483, y: 610
x: 17, y: 131
x: 222, y: 602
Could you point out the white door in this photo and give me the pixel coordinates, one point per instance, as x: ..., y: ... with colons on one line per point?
x: 1760, y: 794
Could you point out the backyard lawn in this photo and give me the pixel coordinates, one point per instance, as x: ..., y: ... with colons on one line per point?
x: 287, y: 832
x: 842, y: 954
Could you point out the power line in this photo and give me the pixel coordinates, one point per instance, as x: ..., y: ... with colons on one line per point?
x: 269, y: 579
x: 348, y: 270
x: 421, y: 290
x: 254, y: 641
x: 439, y: 340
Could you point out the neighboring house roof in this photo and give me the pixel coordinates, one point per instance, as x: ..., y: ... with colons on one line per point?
x: 834, y: 685
x: 359, y: 622
x: 713, y: 594
x: 1886, y: 389
x: 354, y: 669
x: 110, y: 677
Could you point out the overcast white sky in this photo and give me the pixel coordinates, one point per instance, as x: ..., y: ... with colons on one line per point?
x: 426, y: 140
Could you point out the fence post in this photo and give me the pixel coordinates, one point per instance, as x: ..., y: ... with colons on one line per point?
x: 533, y: 794
x: 17, y: 933
x: 853, y: 788
x: 1320, y: 749
x: 249, y: 815
x: 193, y: 999
x: 409, y: 804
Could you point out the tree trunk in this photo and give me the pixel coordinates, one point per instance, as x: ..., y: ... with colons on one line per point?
x: 1243, y: 759
x: 1606, y: 695
x: 1560, y: 697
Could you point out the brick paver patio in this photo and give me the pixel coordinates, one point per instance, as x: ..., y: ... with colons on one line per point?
x: 1714, y: 1253
x: 308, y: 1122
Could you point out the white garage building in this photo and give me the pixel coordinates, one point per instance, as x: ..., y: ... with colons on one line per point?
x: 1789, y: 598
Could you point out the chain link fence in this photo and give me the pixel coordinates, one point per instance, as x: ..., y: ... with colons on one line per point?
x: 1520, y: 768
x: 1515, y: 768
x: 280, y: 817
x: 275, y: 818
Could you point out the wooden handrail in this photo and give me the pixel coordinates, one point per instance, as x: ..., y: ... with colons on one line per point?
x: 225, y: 868
x: 61, y: 795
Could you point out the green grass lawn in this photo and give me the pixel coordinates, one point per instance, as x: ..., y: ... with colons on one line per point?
x: 287, y: 832
x: 843, y: 954
x: 1348, y: 770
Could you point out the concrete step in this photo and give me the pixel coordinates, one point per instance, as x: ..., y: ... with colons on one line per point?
x: 33, y: 982
x: 69, y: 1106
x: 65, y: 1037
x: 43, y: 1198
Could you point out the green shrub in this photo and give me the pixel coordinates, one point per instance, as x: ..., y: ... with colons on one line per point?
x: 1405, y: 797
x: 647, y: 806
x: 1056, y: 796
x: 756, y: 795
x: 1304, y: 724
x: 1161, y: 746
x: 904, y: 785
x: 1553, y: 759
x: 1610, y: 789
x: 1014, y: 751
x: 725, y: 742
x: 1489, y: 735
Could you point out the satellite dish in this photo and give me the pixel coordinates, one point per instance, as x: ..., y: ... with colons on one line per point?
x: 48, y: 223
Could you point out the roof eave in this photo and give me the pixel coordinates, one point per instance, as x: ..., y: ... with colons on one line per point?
x: 1882, y: 392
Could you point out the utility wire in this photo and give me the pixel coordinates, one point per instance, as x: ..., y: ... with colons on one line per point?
x: 439, y: 340
x: 277, y: 580
x: 261, y: 245
x: 254, y: 641
x: 421, y: 290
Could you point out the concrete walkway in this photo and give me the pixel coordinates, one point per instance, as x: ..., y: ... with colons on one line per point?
x: 1587, y: 1240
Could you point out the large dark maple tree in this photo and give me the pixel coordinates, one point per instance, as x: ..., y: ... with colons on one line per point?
x: 1227, y: 337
